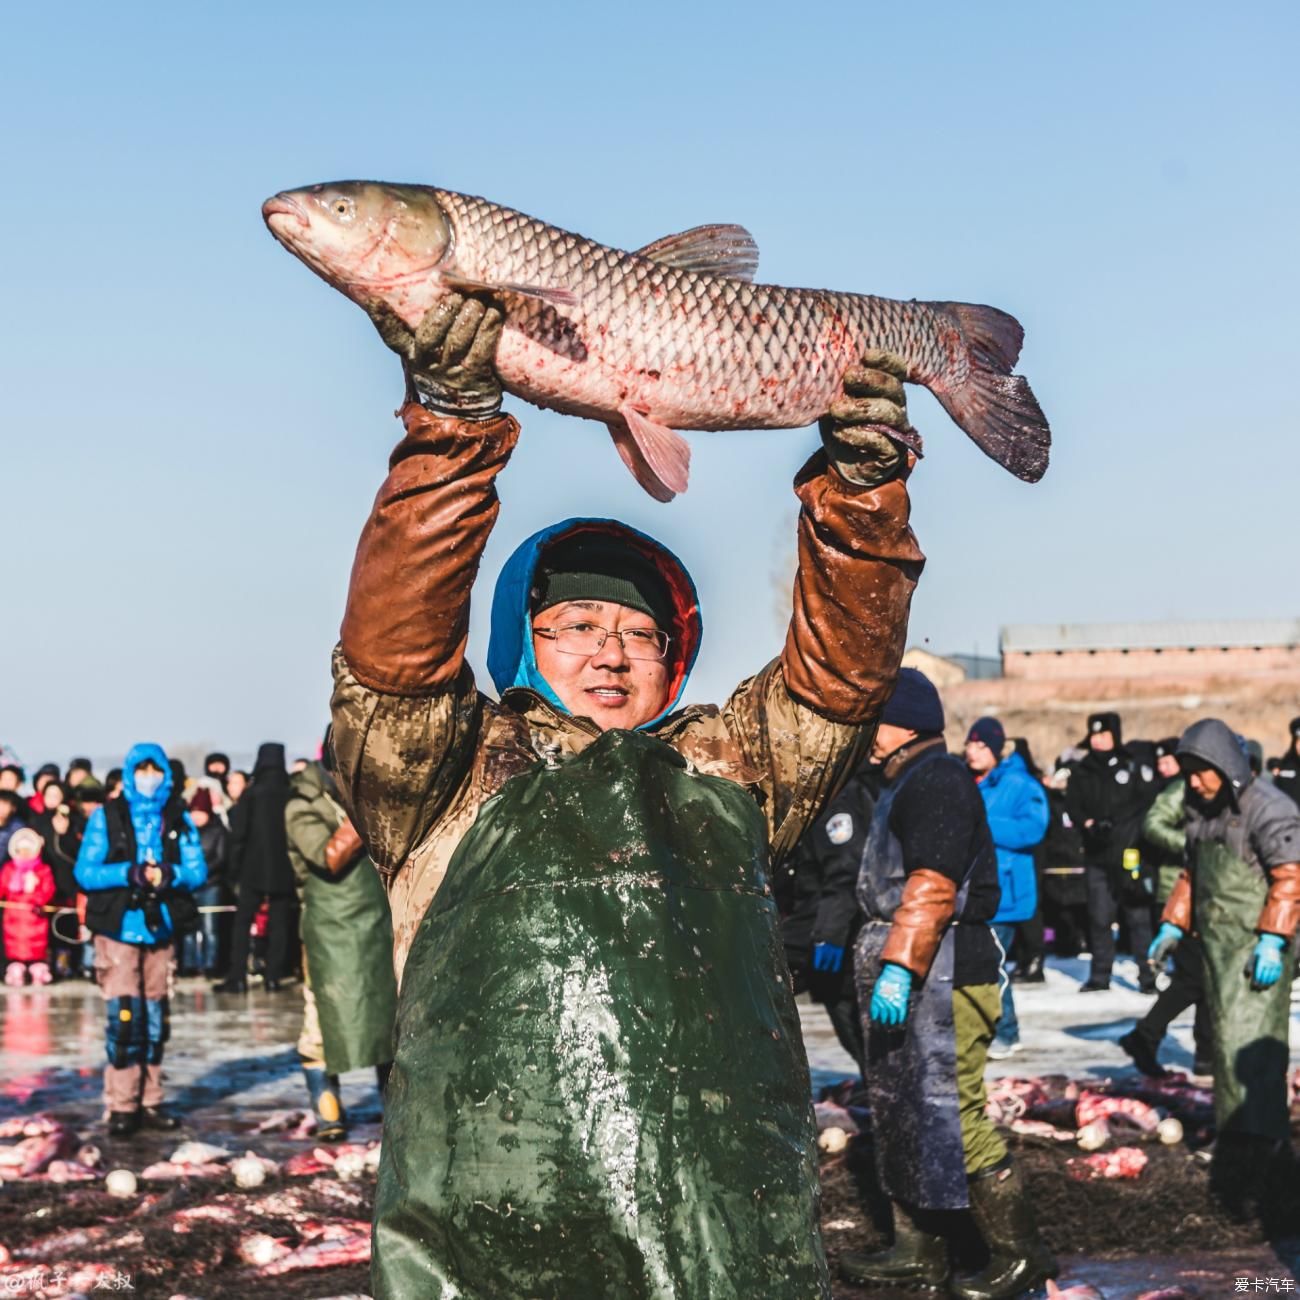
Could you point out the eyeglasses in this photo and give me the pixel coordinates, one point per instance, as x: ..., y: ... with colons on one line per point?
x: 586, y: 639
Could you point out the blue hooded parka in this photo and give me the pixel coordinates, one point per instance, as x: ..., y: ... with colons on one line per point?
x: 511, y: 660
x: 94, y: 872
x: 1018, y: 815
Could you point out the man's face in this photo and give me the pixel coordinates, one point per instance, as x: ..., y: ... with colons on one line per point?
x: 608, y: 687
x: 1102, y: 742
x: 888, y: 739
x: 8, y: 780
x: 1206, y: 783
x: 1167, y: 766
x: 215, y: 767
x: 979, y: 757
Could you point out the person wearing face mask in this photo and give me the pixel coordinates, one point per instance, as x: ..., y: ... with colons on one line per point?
x: 591, y: 978
x: 139, y: 863
x: 1241, y: 894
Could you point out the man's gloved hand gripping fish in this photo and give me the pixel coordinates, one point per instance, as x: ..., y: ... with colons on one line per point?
x: 673, y: 336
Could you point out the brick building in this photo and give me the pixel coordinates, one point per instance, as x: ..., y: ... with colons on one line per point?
x: 1209, y: 649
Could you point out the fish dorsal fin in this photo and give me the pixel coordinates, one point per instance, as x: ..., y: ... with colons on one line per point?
x: 728, y: 251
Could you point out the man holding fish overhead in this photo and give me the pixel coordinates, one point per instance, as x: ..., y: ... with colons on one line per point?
x: 600, y: 1085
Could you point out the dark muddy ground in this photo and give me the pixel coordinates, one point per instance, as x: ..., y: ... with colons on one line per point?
x: 231, y: 1064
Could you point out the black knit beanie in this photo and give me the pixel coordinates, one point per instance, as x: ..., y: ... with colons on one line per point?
x: 596, y: 566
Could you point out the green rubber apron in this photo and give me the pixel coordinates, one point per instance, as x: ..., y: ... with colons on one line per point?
x: 347, y: 929
x: 600, y: 1087
x: 1251, y: 1026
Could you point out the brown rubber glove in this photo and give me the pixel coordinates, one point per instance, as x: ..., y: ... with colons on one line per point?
x: 343, y: 849
x: 407, y: 618
x: 866, y: 433
x: 449, y: 358
x: 1281, y: 913
x: 923, y: 914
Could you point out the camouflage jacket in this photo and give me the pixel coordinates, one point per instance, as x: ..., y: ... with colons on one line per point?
x: 420, y: 748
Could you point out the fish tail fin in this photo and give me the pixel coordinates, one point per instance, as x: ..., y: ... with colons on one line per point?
x: 998, y: 410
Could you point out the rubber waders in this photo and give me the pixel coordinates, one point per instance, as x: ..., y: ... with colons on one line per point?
x: 1019, y: 1259
x: 916, y: 1259
x: 327, y: 1103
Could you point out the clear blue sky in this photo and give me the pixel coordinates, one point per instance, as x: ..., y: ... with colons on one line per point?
x: 192, y: 427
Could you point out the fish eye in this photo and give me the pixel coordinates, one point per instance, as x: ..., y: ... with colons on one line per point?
x: 342, y: 207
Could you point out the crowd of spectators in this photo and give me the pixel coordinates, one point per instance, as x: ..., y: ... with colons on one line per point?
x: 44, y: 815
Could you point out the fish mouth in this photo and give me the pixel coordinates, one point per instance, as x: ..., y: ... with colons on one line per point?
x: 280, y: 210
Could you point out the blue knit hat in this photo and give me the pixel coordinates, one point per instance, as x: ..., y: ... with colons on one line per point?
x: 915, y: 704
x: 990, y: 732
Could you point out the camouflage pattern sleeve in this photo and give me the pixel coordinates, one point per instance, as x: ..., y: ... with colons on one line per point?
x: 805, y: 721
x: 801, y: 758
x: 401, y: 759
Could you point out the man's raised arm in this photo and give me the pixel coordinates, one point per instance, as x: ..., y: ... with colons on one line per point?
x: 405, y: 708
x: 803, y: 721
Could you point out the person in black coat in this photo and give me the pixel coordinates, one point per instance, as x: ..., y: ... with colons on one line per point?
x: 1286, y: 769
x: 260, y: 868
x: 1107, y: 797
x: 816, y: 893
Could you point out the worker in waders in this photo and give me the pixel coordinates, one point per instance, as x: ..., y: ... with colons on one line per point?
x: 927, y: 967
x: 600, y: 1087
x: 1241, y: 895
x: 349, y: 995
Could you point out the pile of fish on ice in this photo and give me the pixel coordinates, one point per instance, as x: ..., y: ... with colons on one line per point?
x: 320, y: 1221
x: 1110, y: 1121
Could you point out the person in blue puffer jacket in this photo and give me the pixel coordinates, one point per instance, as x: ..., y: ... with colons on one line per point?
x: 1018, y: 814
x: 139, y: 863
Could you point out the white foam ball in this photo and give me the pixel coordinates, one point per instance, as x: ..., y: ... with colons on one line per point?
x: 1170, y: 1131
x: 249, y: 1171
x: 1092, y: 1137
x: 121, y: 1182
x: 832, y: 1140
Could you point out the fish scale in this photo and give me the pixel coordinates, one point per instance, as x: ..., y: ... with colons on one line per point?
x: 674, y: 337
x: 723, y: 337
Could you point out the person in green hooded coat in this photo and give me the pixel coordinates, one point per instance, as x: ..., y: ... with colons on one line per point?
x: 1241, y: 895
x: 600, y: 1087
x: 349, y: 991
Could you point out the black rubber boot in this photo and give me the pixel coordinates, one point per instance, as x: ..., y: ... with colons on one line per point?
x: 123, y: 1123
x: 156, y: 1117
x: 1019, y: 1259
x: 917, y: 1259
x: 231, y: 984
x: 1143, y: 1054
x: 1030, y: 972
x: 327, y: 1103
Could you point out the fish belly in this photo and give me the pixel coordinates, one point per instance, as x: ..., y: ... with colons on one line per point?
x: 730, y: 370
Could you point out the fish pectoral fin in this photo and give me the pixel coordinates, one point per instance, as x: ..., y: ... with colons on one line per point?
x: 555, y: 297
x: 725, y: 250
x: 659, y: 457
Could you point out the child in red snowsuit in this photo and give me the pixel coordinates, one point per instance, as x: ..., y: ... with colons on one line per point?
x: 26, y: 886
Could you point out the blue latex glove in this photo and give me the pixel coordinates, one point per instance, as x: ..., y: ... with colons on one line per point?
x: 828, y: 957
x: 1268, y: 960
x: 889, y: 1000
x: 1168, y: 937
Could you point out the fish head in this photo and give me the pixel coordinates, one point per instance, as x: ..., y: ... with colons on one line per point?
x: 381, y: 245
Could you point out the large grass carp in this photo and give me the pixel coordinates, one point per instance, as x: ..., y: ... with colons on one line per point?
x: 673, y: 336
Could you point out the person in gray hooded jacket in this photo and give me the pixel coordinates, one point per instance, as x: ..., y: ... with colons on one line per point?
x: 1241, y: 893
